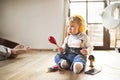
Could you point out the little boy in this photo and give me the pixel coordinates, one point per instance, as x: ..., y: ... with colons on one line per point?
x: 73, y: 53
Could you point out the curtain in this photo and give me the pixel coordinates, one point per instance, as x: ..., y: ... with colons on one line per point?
x: 66, y: 14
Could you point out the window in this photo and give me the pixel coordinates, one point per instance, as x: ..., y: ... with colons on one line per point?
x: 78, y: 8
x: 95, y: 22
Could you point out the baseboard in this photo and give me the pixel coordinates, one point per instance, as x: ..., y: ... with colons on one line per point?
x: 35, y: 49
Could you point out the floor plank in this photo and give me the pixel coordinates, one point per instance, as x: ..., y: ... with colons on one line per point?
x: 33, y: 66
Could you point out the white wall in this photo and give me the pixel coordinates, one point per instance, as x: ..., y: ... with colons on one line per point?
x: 30, y: 22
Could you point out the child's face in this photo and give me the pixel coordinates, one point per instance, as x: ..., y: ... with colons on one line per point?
x: 73, y: 28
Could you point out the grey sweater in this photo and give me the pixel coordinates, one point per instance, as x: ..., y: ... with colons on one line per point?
x: 5, y: 52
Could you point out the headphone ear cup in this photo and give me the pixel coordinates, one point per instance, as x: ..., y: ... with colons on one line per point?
x: 82, y: 28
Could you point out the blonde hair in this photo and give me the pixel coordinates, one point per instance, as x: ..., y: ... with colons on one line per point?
x: 80, y: 21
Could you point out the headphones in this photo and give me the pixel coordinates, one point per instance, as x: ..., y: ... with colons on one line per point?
x: 82, y: 27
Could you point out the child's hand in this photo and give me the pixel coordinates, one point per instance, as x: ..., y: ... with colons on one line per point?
x: 84, y: 51
x: 60, y: 49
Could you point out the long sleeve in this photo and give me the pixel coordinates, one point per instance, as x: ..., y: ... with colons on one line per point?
x: 87, y: 44
x: 5, y: 52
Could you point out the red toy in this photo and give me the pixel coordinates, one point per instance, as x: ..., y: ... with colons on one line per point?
x: 52, y: 40
x: 53, y: 68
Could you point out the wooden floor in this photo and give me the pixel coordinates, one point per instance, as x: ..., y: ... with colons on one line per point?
x: 34, y: 65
